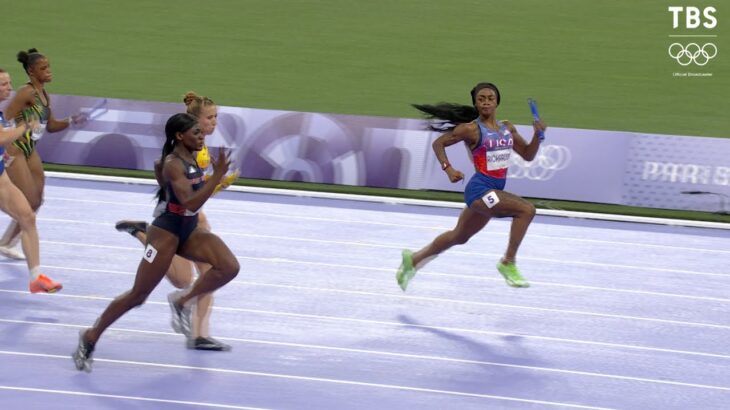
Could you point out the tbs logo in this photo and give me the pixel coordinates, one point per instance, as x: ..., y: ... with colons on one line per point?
x: 693, y: 17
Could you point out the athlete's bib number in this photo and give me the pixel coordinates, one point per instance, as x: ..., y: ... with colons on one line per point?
x: 149, y: 253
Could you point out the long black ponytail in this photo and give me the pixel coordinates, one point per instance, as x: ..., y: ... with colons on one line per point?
x: 180, y: 122
x: 447, y: 116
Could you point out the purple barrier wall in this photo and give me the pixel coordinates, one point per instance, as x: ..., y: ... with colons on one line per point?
x: 573, y: 164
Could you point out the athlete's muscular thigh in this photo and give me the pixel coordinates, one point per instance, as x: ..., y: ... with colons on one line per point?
x: 503, y: 204
x: 470, y: 222
x: 36, y: 169
x: 22, y: 177
x: 204, y: 246
x: 158, y: 253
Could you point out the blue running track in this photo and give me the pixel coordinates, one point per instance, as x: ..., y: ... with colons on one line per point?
x: 619, y: 315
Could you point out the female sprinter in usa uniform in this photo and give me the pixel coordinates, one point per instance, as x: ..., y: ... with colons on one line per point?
x: 491, y: 143
x: 175, y: 231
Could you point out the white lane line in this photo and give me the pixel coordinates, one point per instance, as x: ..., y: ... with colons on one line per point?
x: 403, y: 296
x: 474, y: 303
x: 212, y: 210
x: 475, y: 254
x: 398, y: 201
x: 503, y: 233
x: 573, y: 286
x: 125, y: 203
x: 396, y: 324
x: 453, y: 251
x: 389, y: 354
x: 257, y: 214
x: 310, y: 379
x: 420, y: 273
x: 477, y: 303
x: 394, y: 246
x: 76, y: 221
x: 134, y: 398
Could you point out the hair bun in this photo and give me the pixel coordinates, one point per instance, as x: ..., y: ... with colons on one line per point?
x: 23, y: 57
x: 190, y: 97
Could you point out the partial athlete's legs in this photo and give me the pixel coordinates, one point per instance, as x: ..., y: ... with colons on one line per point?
x: 180, y: 273
x: 470, y: 222
x: 39, y: 178
x: 160, y: 247
x: 204, y: 246
x: 522, y: 213
x: 5, y: 242
x: 158, y: 254
x: 22, y: 176
x: 204, y: 304
x: 181, y: 276
x: 13, y: 202
x: 201, y: 316
x: 33, y: 181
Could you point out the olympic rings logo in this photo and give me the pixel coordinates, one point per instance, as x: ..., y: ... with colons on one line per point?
x: 692, y: 53
x: 549, y: 160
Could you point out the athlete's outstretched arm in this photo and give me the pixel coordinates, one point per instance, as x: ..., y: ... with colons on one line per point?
x: 55, y: 125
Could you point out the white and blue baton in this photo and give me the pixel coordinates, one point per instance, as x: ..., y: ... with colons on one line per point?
x: 536, y: 117
x: 97, y: 110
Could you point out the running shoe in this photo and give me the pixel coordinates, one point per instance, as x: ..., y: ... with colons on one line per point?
x: 44, y: 284
x: 180, y: 314
x: 207, y: 343
x: 131, y: 227
x: 512, y: 275
x: 82, y: 356
x: 11, y: 252
x: 406, y: 271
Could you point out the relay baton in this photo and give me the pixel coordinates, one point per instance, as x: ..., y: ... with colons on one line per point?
x: 98, y: 110
x: 536, y: 117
